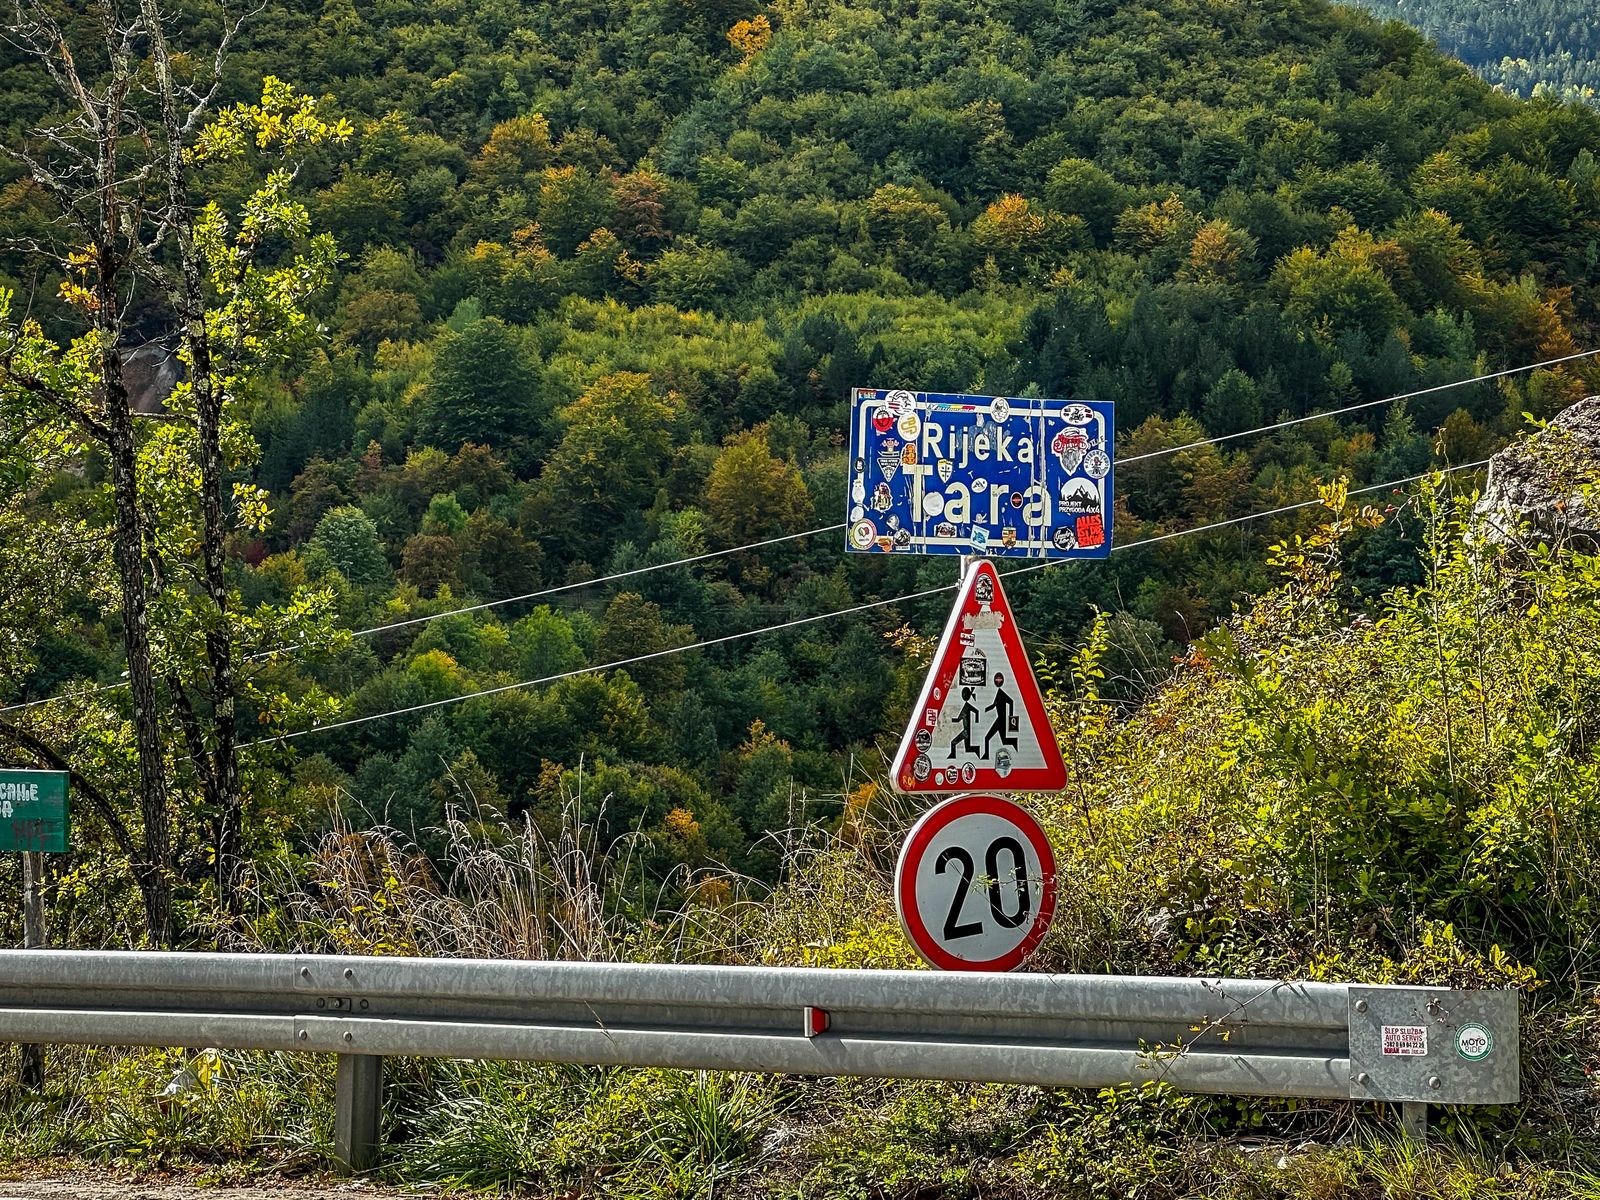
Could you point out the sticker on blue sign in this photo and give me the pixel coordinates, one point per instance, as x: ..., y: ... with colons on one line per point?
x: 1002, y: 476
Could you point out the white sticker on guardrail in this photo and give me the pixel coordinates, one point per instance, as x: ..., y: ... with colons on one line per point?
x: 1474, y: 1041
x: 1405, y: 1041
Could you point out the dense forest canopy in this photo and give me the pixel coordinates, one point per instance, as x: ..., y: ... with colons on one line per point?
x: 1529, y: 47
x: 611, y: 269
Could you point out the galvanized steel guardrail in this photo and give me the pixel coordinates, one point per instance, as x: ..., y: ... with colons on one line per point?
x: 1252, y: 1037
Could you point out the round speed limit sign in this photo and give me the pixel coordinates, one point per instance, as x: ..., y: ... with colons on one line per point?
x: 976, y: 885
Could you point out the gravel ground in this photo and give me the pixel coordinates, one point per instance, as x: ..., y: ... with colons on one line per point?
x: 99, y: 1186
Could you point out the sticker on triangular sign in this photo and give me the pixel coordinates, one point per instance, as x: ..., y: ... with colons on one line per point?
x: 980, y: 723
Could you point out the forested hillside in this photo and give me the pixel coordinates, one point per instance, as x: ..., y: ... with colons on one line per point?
x: 609, y: 271
x: 1529, y: 47
x: 455, y: 447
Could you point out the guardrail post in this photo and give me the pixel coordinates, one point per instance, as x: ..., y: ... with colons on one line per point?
x: 358, y: 1109
x: 1414, y: 1120
x: 33, y: 938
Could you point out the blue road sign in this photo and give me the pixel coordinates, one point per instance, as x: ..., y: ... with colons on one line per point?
x: 1008, y: 477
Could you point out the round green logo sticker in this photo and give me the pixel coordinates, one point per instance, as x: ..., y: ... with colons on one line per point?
x: 1474, y: 1042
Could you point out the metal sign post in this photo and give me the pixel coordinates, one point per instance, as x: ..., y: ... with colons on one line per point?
x: 981, y: 478
x: 33, y: 938
x: 33, y: 822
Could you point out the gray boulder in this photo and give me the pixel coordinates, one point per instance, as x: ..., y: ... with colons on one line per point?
x: 1546, y: 487
x: 150, y: 372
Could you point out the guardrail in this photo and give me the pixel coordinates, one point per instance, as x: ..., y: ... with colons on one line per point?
x: 1408, y: 1045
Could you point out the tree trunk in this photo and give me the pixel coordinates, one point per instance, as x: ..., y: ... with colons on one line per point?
x: 154, y: 873
x: 228, y: 820
x: 188, y: 298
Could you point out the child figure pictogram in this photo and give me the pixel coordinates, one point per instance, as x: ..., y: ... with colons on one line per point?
x: 1003, y: 720
x: 967, y: 713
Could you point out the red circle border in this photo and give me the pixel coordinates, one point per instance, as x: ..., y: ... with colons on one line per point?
x: 922, y: 834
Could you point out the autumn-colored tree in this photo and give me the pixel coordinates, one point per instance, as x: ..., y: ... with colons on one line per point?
x: 1220, y: 252
x: 1020, y: 237
x: 1157, y: 225
x: 752, y: 494
x: 431, y: 561
x: 519, y: 280
x: 750, y: 37
x: 641, y: 209
x: 515, y: 152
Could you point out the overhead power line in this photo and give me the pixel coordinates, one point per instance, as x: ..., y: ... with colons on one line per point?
x: 1350, y: 408
x: 790, y: 537
x: 649, y: 568
x: 811, y: 620
x: 60, y: 696
x: 588, y: 583
x: 1226, y: 437
x: 470, y: 608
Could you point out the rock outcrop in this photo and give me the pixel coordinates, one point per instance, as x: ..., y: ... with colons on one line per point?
x: 1546, y: 488
x: 150, y: 373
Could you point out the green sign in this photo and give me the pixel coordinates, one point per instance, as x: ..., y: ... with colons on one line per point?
x: 33, y: 811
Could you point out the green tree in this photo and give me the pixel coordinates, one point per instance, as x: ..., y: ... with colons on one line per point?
x: 1233, y: 404
x: 496, y: 559
x: 605, y: 471
x: 349, y: 539
x: 1077, y: 187
x: 445, y: 515
x: 362, y: 210
x: 545, y: 644
x: 1335, y: 292
x: 573, y: 203
x: 235, y: 290
x: 633, y: 626
x: 468, y: 400
x: 695, y: 276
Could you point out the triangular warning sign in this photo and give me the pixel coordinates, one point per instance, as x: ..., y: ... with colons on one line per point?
x: 980, y: 723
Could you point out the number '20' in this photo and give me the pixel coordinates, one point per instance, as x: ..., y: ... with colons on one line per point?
x: 954, y: 927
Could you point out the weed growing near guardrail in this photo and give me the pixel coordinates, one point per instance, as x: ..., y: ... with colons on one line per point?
x: 217, y: 1110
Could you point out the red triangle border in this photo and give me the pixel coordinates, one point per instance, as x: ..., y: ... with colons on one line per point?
x: 1049, y: 778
